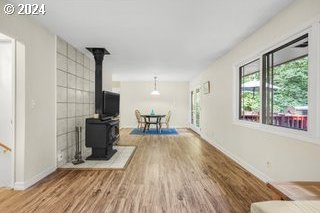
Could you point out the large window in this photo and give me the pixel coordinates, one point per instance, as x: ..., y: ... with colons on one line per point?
x: 282, y: 99
x: 249, y: 100
x: 286, y: 85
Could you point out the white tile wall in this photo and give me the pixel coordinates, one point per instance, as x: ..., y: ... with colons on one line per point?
x: 86, y: 99
x: 92, y: 77
x: 86, y: 73
x: 79, y: 70
x: 61, y: 110
x: 71, y: 52
x: 75, y: 97
x: 71, y: 95
x: 61, y: 94
x: 86, y: 85
x: 71, y: 81
x: 79, y: 83
x: 61, y: 46
x: 71, y: 66
x: 92, y: 97
x: 86, y: 109
x: 92, y: 64
x: 62, y: 78
x: 71, y: 138
x: 92, y: 109
x: 62, y: 62
x: 86, y: 62
x: 79, y: 110
x: 62, y: 142
x: 79, y: 96
x: 62, y: 127
x: 71, y: 124
x: 79, y: 57
x: 71, y: 110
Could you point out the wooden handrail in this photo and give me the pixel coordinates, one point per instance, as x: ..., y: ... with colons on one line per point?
x: 6, y: 148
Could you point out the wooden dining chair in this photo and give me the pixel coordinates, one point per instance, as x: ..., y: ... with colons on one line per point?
x: 166, y: 121
x: 140, y: 120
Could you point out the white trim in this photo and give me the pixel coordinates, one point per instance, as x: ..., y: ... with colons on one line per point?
x: 316, y: 67
x: 13, y: 119
x: 55, y: 103
x: 197, y: 130
x: 20, y: 123
x: 236, y: 80
x: 254, y: 171
x: 134, y: 127
x: 26, y: 184
x: 276, y: 130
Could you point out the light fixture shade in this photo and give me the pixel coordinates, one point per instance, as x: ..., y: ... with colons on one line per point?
x: 155, y: 92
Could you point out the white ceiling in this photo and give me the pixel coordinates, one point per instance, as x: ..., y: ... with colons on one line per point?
x: 173, y: 39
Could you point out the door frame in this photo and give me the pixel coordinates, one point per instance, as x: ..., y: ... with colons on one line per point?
x: 13, y: 103
x: 194, y: 126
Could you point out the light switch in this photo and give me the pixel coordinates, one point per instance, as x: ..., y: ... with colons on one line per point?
x: 33, y: 104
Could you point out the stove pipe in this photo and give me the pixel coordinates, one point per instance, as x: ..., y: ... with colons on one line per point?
x: 98, y: 54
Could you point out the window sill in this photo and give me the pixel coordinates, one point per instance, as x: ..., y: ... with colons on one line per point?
x: 304, y: 136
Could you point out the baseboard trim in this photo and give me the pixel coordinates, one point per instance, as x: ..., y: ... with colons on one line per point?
x: 254, y: 171
x: 24, y: 185
x: 133, y: 127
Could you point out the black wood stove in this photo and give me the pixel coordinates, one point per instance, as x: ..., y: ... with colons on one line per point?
x: 101, y: 132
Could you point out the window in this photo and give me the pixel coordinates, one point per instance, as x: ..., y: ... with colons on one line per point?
x: 249, y: 101
x: 282, y: 99
x: 285, y: 83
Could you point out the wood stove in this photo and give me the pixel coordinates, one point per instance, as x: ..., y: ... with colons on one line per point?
x: 102, y: 132
x: 101, y: 135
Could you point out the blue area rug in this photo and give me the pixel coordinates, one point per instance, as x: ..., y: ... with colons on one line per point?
x: 170, y: 131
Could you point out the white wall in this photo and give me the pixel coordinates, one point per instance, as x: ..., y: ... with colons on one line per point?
x: 290, y: 159
x: 106, y: 77
x: 39, y: 79
x: 136, y: 95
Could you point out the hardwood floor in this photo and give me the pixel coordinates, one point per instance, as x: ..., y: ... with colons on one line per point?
x: 167, y: 174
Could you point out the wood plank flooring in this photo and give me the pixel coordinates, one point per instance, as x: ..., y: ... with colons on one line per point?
x: 167, y: 174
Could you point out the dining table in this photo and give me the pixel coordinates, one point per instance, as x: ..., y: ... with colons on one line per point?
x: 152, y: 120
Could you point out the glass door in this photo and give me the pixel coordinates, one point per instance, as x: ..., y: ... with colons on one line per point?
x: 195, y: 109
x: 192, y: 108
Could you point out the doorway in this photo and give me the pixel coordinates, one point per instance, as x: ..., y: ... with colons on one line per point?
x: 7, y: 103
x: 195, y: 109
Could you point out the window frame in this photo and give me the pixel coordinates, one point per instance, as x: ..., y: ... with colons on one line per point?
x: 311, y: 135
x: 240, y: 91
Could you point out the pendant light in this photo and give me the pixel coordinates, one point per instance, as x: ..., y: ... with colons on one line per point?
x: 155, y: 91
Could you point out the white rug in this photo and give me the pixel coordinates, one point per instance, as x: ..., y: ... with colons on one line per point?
x: 118, y: 161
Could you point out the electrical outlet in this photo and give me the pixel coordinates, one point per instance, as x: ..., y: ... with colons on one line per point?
x: 268, y: 164
x: 33, y: 104
x: 60, y: 157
